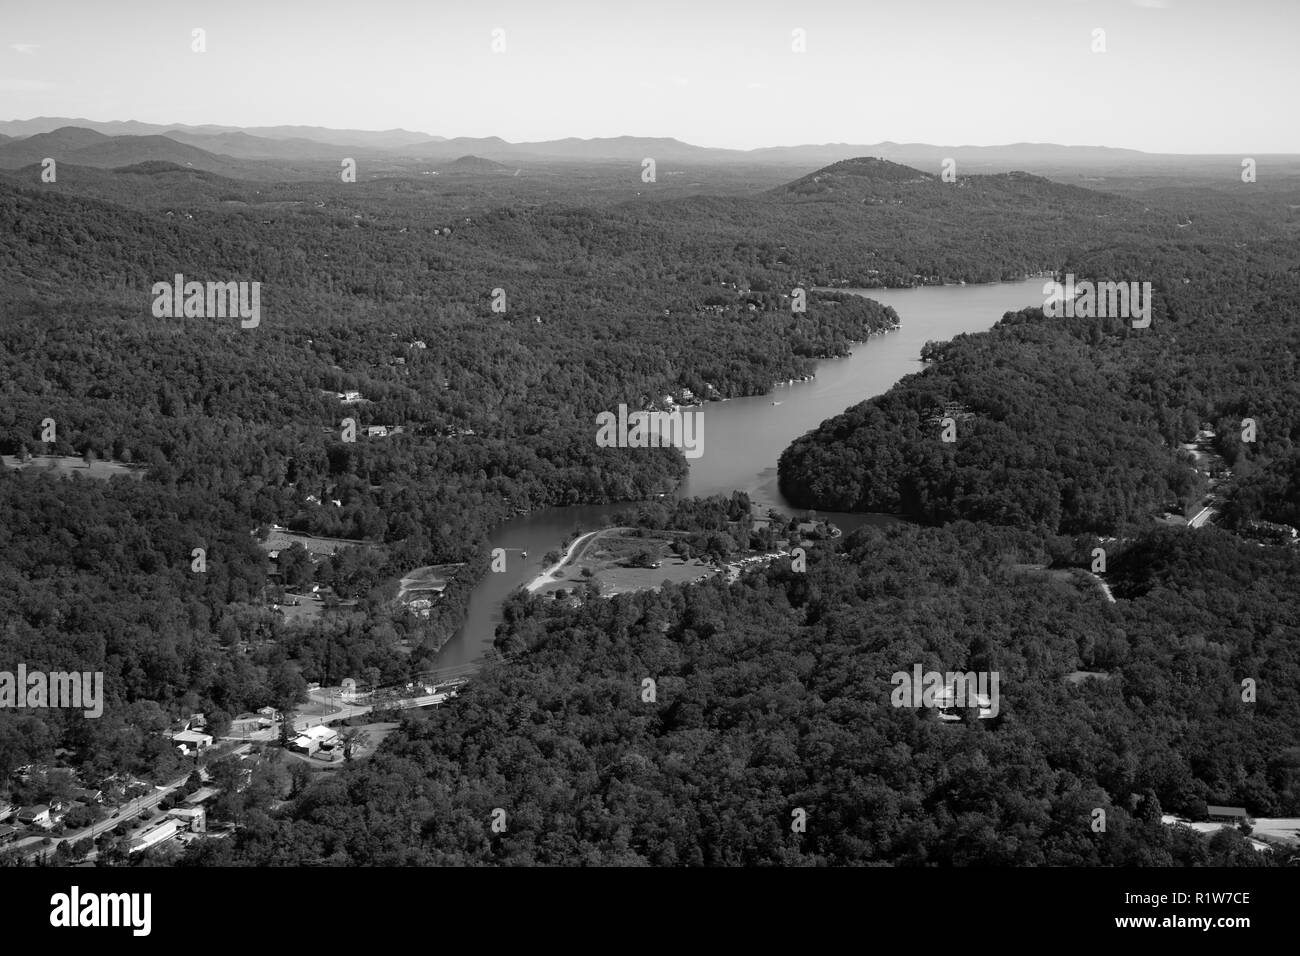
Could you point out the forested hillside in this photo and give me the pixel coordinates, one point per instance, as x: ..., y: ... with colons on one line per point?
x: 237, y: 429
x: 1075, y: 423
x: 774, y: 694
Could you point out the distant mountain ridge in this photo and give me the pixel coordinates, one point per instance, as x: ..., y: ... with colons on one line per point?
x: 309, y: 143
x: 83, y: 147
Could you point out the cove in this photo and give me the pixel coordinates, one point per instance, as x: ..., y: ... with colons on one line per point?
x: 747, y: 435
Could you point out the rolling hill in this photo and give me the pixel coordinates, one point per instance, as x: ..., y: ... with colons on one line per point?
x: 83, y: 147
x: 475, y: 166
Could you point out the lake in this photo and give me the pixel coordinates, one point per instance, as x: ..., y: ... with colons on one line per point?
x: 744, y: 437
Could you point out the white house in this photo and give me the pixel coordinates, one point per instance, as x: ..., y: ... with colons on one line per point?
x: 313, y: 739
x: 36, y: 816
x: 192, y: 740
x: 194, y: 819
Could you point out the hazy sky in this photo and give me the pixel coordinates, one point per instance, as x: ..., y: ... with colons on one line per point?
x: 1177, y: 75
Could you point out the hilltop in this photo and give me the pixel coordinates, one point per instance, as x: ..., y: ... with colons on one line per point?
x: 474, y: 166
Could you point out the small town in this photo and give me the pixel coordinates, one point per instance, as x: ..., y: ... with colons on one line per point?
x: 210, y: 780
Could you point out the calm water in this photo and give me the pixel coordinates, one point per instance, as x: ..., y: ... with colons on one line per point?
x: 744, y: 437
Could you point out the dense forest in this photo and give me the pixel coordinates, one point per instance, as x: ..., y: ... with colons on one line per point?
x: 772, y: 693
x: 237, y: 429
x: 1075, y: 424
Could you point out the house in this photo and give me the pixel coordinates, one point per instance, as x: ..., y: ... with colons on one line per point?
x: 1226, y: 814
x: 156, y: 833
x: 348, y: 690
x: 949, y: 709
x: 7, y: 810
x: 418, y: 344
x: 87, y: 796
x: 376, y: 431
x: 7, y: 834
x: 193, y: 819
x: 350, y: 396
x: 35, y: 816
x: 270, y: 713
x: 192, y: 740
x: 246, y: 724
x: 313, y: 739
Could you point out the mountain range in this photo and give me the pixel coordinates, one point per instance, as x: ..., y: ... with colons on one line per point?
x: 213, y: 148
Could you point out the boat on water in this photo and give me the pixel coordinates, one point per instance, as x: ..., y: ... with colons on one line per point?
x: 776, y: 403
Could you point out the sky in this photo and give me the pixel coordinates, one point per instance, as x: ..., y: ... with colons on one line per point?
x: 1177, y: 76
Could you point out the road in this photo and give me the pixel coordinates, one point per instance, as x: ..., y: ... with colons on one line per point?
x: 547, y: 576
x: 32, y: 845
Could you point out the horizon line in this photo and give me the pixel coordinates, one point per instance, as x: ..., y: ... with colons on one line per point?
x: 434, y: 137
